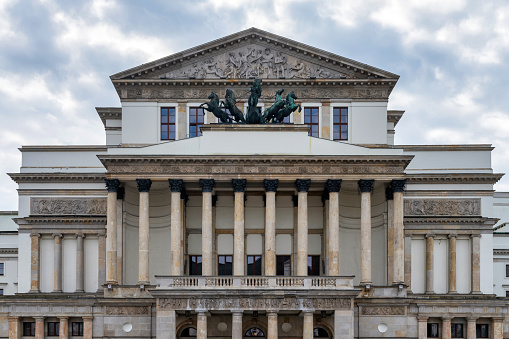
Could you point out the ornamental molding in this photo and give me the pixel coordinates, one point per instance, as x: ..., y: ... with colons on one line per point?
x: 71, y: 221
x: 67, y: 206
x: 447, y: 220
x: 384, y: 310
x: 109, y: 113
x: 460, y: 178
x: 58, y: 177
x: 442, y: 207
x: 8, y: 251
x: 126, y: 310
x: 501, y: 252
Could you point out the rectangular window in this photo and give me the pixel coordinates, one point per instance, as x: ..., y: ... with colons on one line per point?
x: 432, y: 330
x: 195, y: 121
x: 340, y: 123
x: 195, y: 265
x: 506, y: 271
x: 283, y: 265
x: 1, y: 291
x: 456, y: 330
x: 2, y: 268
x: 53, y: 328
x: 313, y: 265
x: 482, y: 330
x: 286, y: 120
x: 168, y: 123
x: 29, y: 329
x: 311, y: 118
x: 254, y: 265
x: 507, y: 293
x: 225, y: 264
x: 77, y: 329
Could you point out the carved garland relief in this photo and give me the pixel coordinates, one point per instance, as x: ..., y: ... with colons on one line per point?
x: 438, y: 207
x: 68, y: 206
x: 384, y: 310
x: 126, y: 310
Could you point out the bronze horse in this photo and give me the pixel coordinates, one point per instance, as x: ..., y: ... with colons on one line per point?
x: 271, y: 112
x: 230, y: 104
x: 290, y: 107
x: 213, y: 106
x: 254, y: 115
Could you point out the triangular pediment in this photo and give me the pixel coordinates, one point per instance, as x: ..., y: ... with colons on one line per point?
x: 254, y: 53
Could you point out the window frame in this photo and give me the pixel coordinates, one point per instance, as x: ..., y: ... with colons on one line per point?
x: 189, y: 106
x: 191, y: 264
x: 28, y: 331
x: 255, y: 266
x: 161, y: 105
x: 455, y: 329
x: 80, y: 329
x: 348, y: 106
x: 218, y: 263
x: 53, y: 328
x: 167, y: 124
x: 282, y: 264
x: 340, y: 108
x: 317, y: 258
x: 311, y: 105
x: 478, y: 329
x: 2, y: 269
x: 507, y: 270
x: 429, y: 330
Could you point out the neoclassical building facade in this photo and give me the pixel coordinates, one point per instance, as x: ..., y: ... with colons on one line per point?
x: 320, y: 226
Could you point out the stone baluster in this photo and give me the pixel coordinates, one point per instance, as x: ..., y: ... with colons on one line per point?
x: 446, y: 327
x: 176, y: 187
x: 389, y: 196
x: 475, y: 284
x: 39, y: 327
x: 366, y: 186
x: 422, y: 327
x: 398, y: 187
x: 120, y: 234
x: 452, y: 263
x: 307, y: 328
x: 144, y: 231
x: 14, y: 327
x: 239, y: 187
x: 111, y: 231
x: 35, y: 248
x: 333, y: 186
x: 207, y: 185
x: 237, y: 325
x: 64, y: 328
x: 88, y: 329
x: 272, y: 328
x: 302, y: 226
x: 270, y: 226
x: 201, y: 326
x: 80, y: 262
x: 57, y: 263
x: 430, y: 238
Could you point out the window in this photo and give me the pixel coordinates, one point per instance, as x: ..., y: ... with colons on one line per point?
x: 432, y: 330
x: 195, y: 265
x: 313, y: 265
x: 283, y: 265
x: 506, y: 270
x: 29, y: 329
x: 507, y: 293
x: 1, y: 291
x: 340, y: 123
x: 77, y: 329
x: 254, y: 265
x: 482, y: 331
x: 189, y: 332
x: 311, y: 118
x: 195, y: 121
x: 225, y: 263
x: 53, y: 328
x: 2, y: 268
x: 456, y: 330
x: 319, y: 332
x: 168, y: 123
x: 254, y: 332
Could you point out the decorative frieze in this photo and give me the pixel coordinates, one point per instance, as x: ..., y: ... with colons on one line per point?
x: 440, y: 207
x: 67, y: 206
x: 384, y: 310
x: 126, y: 310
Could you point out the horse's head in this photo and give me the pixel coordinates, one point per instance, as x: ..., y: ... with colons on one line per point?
x: 291, y: 95
x: 229, y: 93
x: 213, y: 96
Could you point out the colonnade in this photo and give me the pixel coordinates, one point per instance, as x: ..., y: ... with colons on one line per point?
x: 496, y: 324
x: 16, y: 330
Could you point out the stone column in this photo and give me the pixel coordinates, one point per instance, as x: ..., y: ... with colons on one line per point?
x: 498, y: 328
x: 325, y: 233
x: 397, y: 187
x: 64, y: 328
x: 302, y: 226
x: 237, y: 325
x: 14, y: 328
x: 144, y: 232
x: 471, y: 328
x: 35, y: 263
x: 80, y: 263
x: 307, y: 328
x: 39, y: 327
x: 475, y: 284
x: 176, y: 186
x: 120, y: 234
x: 422, y: 327
x: 408, y: 262
x: 333, y: 186
x: 270, y: 226
x: 446, y: 327
x: 87, y: 327
x: 272, y: 327
x: 201, y: 326
x: 111, y: 231
x: 57, y: 263
x: 295, y: 235
x: 452, y: 263
x: 101, y: 274
x: 389, y: 196
x: 239, y: 186
x: 366, y: 186
x: 207, y: 185
x: 429, y: 263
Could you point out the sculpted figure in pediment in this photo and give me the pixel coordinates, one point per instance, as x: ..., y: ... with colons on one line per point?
x: 280, y: 65
x: 300, y: 70
x: 232, y: 67
x: 210, y: 68
x: 267, y: 63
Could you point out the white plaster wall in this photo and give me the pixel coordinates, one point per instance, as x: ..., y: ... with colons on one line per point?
x: 450, y: 161
x: 418, y: 266
x: 225, y: 244
x: 61, y: 161
x: 283, y: 244
x: 463, y: 262
x: 501, y: 282
x: 284, y: 212
x: 140, y: 123
x: 224, y: 212
x: 368, y: 123
x: 24, y: 261
x: 9, y: 281
x: 91, y: 247
x: 46, y: 264
x: 254, y: 244
x: 254, y: 213
x: 131, y: 254
x: 113, y: 138
x: 69, y: 264
x: 487, y: 263
x: 315, y: 212
x: 159, y: 252
x: 314, y: 244
x: 440, y: 264
x: 194, y: 244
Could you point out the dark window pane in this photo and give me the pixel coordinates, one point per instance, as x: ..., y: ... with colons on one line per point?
x: 283, y: 265
x: 164, y: 119
x: 192, y: 119
x: 164, y: 128
x: 307, y: 119
x: 432, y: 330
x: 77, y: 328
x: 2, y: 268
x: 320, y: 333
x: 254, y: 332
x: 171, y: 119
x: 29, y: 329
x: 53, y: 328
x: 189, y: 332
x: 313, y: 265
x: 225, y: 265
x: 506, y: 270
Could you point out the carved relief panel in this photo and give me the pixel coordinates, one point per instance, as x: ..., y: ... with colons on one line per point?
x: 442, y: 207
x: 68, y: 206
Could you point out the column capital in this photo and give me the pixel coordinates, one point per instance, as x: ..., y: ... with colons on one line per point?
x: 207, y: 185
x: 270, y: 185
x: 472, y: 318
x: 57, y: 235
x: 63, y: 317
x: 447, y: 317
x: 144, y: 185
x: 302, y: 185
x: 120, y: 193
x: 35, y: 235
x: 389, y: 194
x: 398, y: 185
x: 430, y: 235
x: 452, y: 235
x: 176, y: 185
x: 80, y: 235
x: 271, y: 314
x: 475, y: 235
x: 39, y: 318
x: 365, y: 185
x: 239, y: 185
x: 112, y: 185
x: 422, y: 318
x: 13, y: 317
x: 333, y: 185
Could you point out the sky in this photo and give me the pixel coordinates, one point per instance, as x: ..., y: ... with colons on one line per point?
x: 56, y: 58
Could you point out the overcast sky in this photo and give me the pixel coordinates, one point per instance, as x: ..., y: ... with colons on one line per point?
x: 56, y: 58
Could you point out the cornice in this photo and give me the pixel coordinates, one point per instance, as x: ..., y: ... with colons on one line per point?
x: 58, y: 177
x: 500, y: 251
x: 394, y: 116
x: 109, y: 113
x: 74, y: 220
x: 454, y: 178
x: 8, y: 251
x: 456, y: 148
x: 449, y: 220
x: 64, y: 148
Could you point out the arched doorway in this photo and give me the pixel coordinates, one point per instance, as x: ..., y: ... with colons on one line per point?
x: 188, y: 332
x: 321, y: 332
x: 254, y: 331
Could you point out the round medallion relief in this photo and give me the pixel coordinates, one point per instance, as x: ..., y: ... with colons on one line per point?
x: 382, y: 328
x: 222, y: 327
x: 286, y: 327
x: 127, y: 327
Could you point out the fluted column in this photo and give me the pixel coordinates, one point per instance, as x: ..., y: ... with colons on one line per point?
x: 239, y: 186
x: 333, y: 186
x: 366, y: 186
x: 446, y: 327
x: 111, y: 231
x: 14, y: 328
x: 475, y: 285
x: 452, y: 263
x: 80, y: 263
x: 176, y: 187
x: 144, y: 231
x: 201, y: 326
x: 270, y: 226
x: 272, y: 327
x: 35, y: 249
x: 39, y: 327
x: 422, y: 327
x: 101, y: 264
x: 389, y: 196
x: 471, y: 328
x: 397, y: 187
x: 237, y: 325
x: 307, y: 328
x: 87, y: 327
x: 302, y: 226
x: 120, y: 234
x: 430, y: 238
x: 57, y: 263
x: 207, y: 185
x: 64, y: 328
